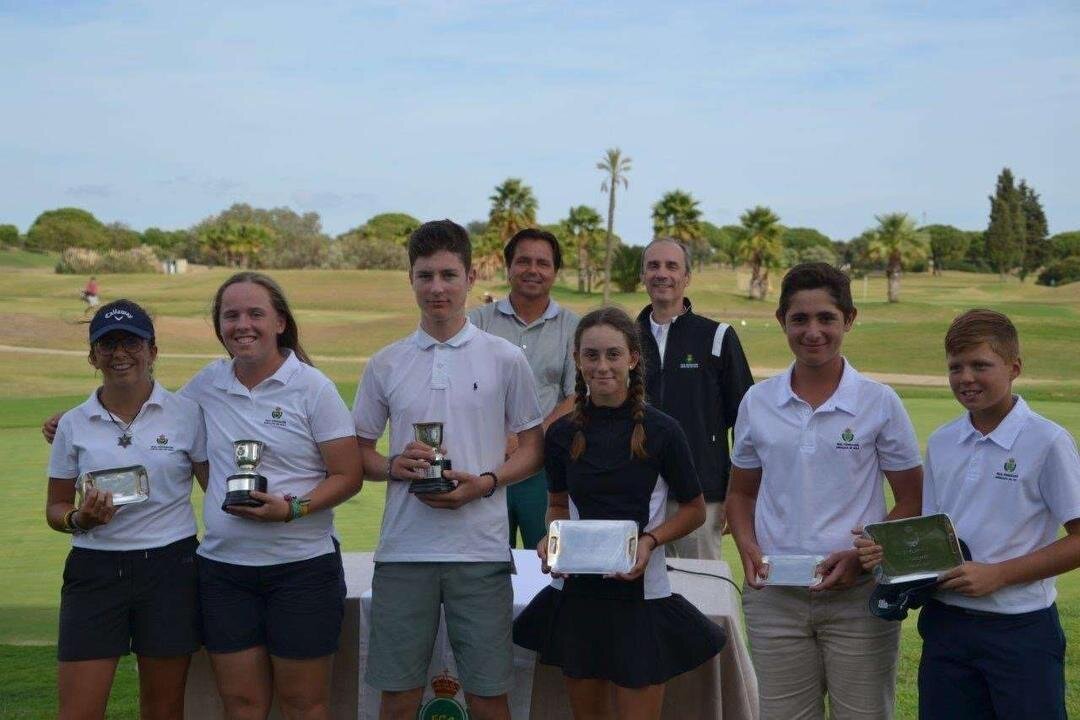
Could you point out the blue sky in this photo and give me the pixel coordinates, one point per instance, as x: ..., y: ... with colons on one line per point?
x: 165, y: 113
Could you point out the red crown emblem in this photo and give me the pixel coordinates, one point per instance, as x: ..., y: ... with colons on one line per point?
x: 444, y: 685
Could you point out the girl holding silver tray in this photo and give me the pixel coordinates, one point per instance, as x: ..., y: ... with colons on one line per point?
x: 129, y: 581
x: 622, y: 636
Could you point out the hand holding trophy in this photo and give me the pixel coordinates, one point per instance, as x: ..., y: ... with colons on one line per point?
x: 433, y: 481
x: 240, y: 485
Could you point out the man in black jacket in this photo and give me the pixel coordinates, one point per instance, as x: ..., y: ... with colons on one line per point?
x: 697, y: 373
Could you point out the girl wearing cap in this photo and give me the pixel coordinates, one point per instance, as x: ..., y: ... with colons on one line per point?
x: 270, y: 577
x: 811, y: 447
x: 129, y: 580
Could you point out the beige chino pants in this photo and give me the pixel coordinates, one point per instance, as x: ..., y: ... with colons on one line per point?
x: 704, y: 542
x: 805, y: 645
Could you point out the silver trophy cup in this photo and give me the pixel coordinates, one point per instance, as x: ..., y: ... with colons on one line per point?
x: 238, y: 487
x: 431, y: 434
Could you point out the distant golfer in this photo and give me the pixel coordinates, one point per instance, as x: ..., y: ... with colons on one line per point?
x: 90, y: 294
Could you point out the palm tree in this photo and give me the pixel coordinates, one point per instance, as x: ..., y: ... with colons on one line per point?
x: 582, y: 223
x: 896, y: 242
x: 761, y: 247
x: 615, y: 167
x: 513, y: 207
x: 677, y: 215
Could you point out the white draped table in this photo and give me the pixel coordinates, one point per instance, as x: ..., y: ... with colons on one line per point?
x: 724, y: 687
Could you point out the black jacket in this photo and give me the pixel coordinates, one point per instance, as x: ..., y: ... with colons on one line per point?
x: 700, y: 389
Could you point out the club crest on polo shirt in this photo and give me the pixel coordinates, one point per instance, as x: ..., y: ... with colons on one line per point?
x: 689, y: 363
x: 847, y: 441
x: 277, y: 418
x: 1008, y: 471
x: 161, y: 443
x: 444, y: 706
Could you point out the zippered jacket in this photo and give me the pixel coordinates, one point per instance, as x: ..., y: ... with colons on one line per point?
x: 700, y: 383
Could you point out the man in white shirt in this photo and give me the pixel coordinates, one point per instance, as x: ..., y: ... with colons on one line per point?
x: 445, y: 550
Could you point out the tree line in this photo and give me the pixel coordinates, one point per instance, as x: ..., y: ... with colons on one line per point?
x: 1015, y: 241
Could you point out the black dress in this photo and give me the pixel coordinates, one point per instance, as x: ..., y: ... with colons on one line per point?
x: 630, y: 633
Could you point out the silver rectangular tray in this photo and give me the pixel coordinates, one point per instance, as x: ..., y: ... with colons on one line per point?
x: 127, y: 484
x: 592, y: 547
x: 915, y: 548
x: 792, y: 570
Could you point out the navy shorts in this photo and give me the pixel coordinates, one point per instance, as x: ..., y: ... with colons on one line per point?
x: 978, y: 665
x: 295, y: 609
x: 142, y: 601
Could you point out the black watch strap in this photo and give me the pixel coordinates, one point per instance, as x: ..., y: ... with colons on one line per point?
x: 494, y: 483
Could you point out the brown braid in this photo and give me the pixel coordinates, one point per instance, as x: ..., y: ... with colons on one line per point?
x: 581, y: 400
x: 619, y: 320
x: 637, y: 398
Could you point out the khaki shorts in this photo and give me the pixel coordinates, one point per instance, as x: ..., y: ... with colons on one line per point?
x: 478, y: 601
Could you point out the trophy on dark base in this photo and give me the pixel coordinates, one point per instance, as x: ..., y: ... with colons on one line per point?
x: 239, y: 486
x: 431, y: 434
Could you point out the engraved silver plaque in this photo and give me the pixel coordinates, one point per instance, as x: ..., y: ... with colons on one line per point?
x: 792, y: 570
x: 915, y: 548
x: 592, y: 547
x: 127, y: 484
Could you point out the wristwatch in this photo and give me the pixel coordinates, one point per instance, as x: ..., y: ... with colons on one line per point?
x: 494, y: 483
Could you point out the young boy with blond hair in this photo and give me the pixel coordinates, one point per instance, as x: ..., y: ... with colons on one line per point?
x: 993, y: 646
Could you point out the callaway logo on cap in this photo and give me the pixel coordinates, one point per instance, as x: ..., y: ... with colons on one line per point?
x: 121, y: 315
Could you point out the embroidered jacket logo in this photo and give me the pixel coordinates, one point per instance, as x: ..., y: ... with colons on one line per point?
x: 277, y: 414
x: 847, y: 436
x: 689, y: 363
x: 162, y: 440
x: 1010, y: 465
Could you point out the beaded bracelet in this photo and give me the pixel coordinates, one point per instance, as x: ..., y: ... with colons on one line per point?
x: 70, y: 526
x: 298, y: 507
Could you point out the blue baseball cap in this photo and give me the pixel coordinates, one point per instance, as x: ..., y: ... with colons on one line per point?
x: 121, y: 315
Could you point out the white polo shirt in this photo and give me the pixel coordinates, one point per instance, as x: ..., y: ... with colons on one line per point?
x: 821, y: 469
x: 291, y: 412
x: 1007, y: 494
x: 481, y: 387
x: 167, y: 437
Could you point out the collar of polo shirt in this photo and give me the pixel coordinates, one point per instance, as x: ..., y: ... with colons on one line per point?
x: 845, y: 397
x: 227, y: 380
x: 1005, y: 434
x: 424, y: 341
x: 94, y: 408
x: 506, y: 308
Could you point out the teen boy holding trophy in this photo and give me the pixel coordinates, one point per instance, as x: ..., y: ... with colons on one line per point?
x: 446, y: 548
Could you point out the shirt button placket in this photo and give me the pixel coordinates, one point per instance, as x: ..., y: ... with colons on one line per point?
x: 806, y: 439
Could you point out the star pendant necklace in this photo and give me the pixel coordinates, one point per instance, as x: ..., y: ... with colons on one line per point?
x: 125, y: 428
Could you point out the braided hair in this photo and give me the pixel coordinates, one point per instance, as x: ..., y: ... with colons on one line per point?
x: 615, y: 318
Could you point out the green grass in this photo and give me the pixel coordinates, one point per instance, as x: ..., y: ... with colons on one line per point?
x: 16, y: 259
x: 349, y: 315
